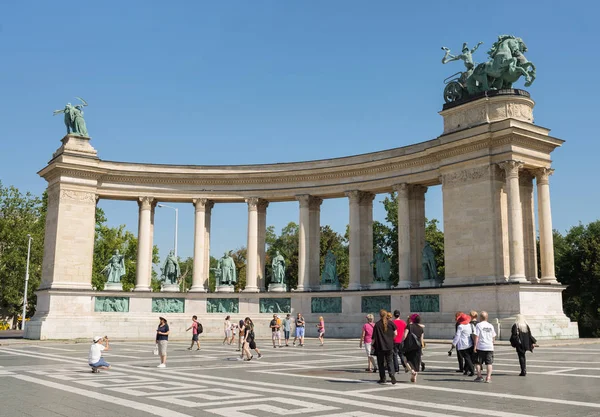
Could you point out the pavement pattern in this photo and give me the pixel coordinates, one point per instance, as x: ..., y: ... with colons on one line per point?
x: 53, y: 379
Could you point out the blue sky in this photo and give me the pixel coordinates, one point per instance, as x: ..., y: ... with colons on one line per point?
x: 239, y: 82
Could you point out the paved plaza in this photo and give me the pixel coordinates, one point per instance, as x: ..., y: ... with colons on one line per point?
x: 53, y: 379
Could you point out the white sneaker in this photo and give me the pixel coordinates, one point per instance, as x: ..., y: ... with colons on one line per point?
x: 162, y: 365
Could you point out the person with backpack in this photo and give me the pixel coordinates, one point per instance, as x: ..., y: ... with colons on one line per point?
x: 196, y: 329
x: 413, y: 345
x: 522, y: 340
x: 463, y: 342
x: 366, y: 339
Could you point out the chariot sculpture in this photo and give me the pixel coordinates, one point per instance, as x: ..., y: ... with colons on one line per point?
x: 506, y: 64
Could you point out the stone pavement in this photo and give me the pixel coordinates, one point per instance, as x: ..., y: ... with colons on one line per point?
x: 52, y: 379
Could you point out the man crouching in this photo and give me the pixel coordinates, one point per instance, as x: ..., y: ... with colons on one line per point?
x: 95, y: 359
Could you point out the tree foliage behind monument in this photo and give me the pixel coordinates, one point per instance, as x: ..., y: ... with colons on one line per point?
x: 20, y: 215
x: 577, y: 257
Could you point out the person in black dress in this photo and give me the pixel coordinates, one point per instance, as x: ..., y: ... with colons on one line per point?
x: 413, y: 348
x: 383, y: 343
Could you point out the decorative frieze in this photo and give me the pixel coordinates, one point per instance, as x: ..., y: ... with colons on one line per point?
x: 168, y: 305
x: 111, y: 304
x: 324, y: 305
x: 223, y: 305
x: 428, y: 303
x: 275, y: 305
x: 372, y: 304
x: 78, y: 196
x: 467, y: 175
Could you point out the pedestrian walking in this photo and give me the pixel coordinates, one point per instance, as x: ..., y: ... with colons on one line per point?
x: 383, y: 343
x: 485, y: 335
x: 275, y: 333
x: 95, y: 359
x: 366, y: 339
x: 321, y: 329
x: 522, y: 340
x: 227, y: 330
x: 241, y: 328
x: 464, y: 343
x: 249, y: 340
x: 162, y: 340
x: 195, y: 328
x: 459, y: 357
x: 400, y: 327
x: 287, y: 324
x: 413, y: 345
x: 300, y: 323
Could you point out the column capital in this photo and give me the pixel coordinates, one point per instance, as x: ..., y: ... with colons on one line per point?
x: 252, y: 203
x: 526, y: 177
x: 202, y: 204
x: 314, y: 203
x: 262, y: 204
x: 511, y: 168
x: 366, y: 197
x: 401, y: 189
x: 419, y: 189
x: 542, y: 175
x: 354, y: 196
x: 147, y: 203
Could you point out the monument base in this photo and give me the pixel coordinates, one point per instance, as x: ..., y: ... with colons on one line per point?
x: 170, y: 288
x: 276, y: 287
x: 71, y: 314
x: 428, y: 283
x: 330, y: 287
x: 379, y: 286
x: 225, y: 288
x: 113, y: 286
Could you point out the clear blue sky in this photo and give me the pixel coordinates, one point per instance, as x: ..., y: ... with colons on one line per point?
x: 240, y: 82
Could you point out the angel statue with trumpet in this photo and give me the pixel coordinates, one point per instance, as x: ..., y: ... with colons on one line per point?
x: 74, y: 118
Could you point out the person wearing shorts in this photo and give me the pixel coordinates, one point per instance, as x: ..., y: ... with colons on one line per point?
x: 287, y: 324
x: 162, y: 340
x: 95, y: 359
x: 195, y: 334
x: 241, y: 327
x: 299, y: 330
x: 321, y: 329
x: 485, y: 335
x: 275, y: 333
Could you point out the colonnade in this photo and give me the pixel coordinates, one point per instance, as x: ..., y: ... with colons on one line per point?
x: 520, y: 235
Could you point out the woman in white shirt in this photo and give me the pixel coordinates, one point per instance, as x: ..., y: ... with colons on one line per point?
x: 227, y: 330
x: 464, y: 343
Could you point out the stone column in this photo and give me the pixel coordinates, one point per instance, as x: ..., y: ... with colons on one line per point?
x: 252, y: 248
x: 304, y: 244
x: 354, y: 200
x: 314, y: 213
x: 404, y: 258
x: 199, y: 240
x: 417, y: 231
x: 262, y: 235
x: 545, y: 223
x: 142, y: 282
x: 515, y: 221
x: 207, y: 214
x: 366, y: 239
x: 151, y: 239
x: 529, y: 232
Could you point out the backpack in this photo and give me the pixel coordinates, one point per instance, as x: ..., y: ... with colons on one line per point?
x: 199, y: 329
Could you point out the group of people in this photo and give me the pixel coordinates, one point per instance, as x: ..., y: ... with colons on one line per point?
x: 388, y: 343
x: 474, y: 342
x: 391, y: 342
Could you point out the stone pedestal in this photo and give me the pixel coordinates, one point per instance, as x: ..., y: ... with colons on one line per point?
x: 330, y: 287
x: 76, y: 145
x: 170, y: 288
x: 113, y: 286
x: 276, y: 287
x: 379, y: 285
x: 428, y: 283
x: 225, y: 288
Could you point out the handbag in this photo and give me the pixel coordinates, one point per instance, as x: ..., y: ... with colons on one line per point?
x: 155, y: 350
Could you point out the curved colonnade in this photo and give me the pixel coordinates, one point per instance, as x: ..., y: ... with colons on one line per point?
x: 486, y: 162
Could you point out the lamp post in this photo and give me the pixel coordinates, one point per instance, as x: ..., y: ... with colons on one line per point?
x: 176, y: 223
x: 24, y: 315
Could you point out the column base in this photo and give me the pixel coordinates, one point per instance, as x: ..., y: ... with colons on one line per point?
x: 251, y: 289
x: 277, y: 287
x: 330, y: 287
x: 301, y: 288
x: 403, y: 284
x: 141, y: 288
x: 518, y: 278
x: 113, y: 286
x: 428, y: 283
x: 548, y: 280
x: 353, y: 287
x: 170, y: 288
x: 199, y: 288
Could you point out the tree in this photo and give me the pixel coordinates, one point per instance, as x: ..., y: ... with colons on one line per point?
x: 435, y: 237
x: 20, y: 215
x: 109, y: 239
x: 577, y: 258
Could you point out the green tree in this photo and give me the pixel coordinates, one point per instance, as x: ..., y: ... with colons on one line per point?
x: 20, y: 215
x: 435, y: 237
x: 577, y: 258
x: 187, y: 272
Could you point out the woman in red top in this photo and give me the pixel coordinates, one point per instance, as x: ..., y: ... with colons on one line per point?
x: 366, y: 338
x: 400, y: 327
